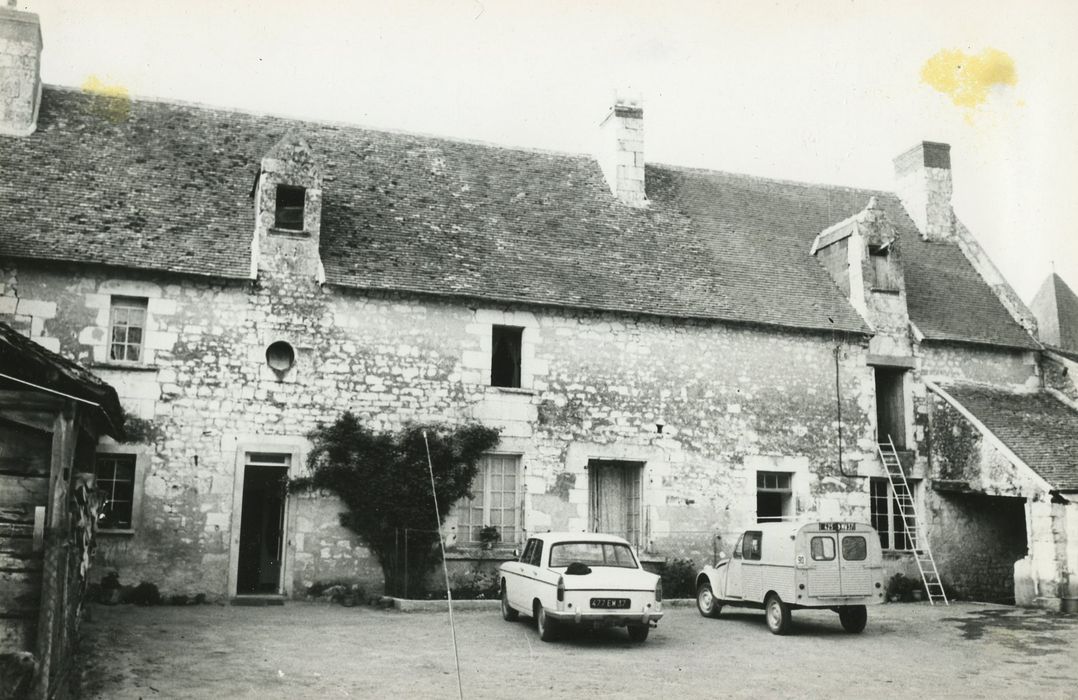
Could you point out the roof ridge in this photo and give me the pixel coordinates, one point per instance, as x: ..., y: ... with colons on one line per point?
x: 205, y: 107
x: 781, y: 181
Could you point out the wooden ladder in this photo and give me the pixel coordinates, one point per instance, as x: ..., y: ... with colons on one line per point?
x: 907, y: 507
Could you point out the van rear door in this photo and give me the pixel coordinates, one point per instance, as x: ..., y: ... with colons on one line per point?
x: 856, y: 577
x: 823, y: 577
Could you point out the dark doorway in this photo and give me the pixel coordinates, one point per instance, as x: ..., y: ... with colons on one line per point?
x: 890, y: 406
x: 262, y: 524
x: 979, y: 539
x: 614, y: 506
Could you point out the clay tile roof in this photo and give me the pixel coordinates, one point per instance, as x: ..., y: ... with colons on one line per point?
x: 168, y: 187
x: 1038, y: 427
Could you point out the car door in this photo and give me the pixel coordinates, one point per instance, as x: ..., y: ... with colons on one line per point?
x: 515, y: 580
x: 522, y: 582
x: 732, y: 587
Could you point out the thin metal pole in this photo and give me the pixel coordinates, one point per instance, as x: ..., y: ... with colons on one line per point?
x: 445, y: 566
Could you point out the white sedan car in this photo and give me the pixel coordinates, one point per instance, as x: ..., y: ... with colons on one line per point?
x: 584, y: 579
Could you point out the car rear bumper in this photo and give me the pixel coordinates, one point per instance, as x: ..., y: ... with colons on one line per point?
x: 605, y: 618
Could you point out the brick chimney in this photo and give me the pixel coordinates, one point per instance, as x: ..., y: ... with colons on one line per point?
x: 621, y: 151
x: 20, y: 71
x: 923, y: 182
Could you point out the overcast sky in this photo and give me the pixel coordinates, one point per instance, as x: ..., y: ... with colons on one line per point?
x: 822, y: 91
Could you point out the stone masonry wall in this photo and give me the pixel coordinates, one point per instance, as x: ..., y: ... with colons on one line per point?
x: 732, y: 400
x: 973, y: 363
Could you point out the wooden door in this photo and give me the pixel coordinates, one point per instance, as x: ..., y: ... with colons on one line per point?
x: 614, y: 487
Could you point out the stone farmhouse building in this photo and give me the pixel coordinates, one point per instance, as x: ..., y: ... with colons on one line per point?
x: 671, y: 354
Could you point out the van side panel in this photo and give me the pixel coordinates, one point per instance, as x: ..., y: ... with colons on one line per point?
x: 758, y: 579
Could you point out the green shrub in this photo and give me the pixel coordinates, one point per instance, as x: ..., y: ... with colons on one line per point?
x: 679, y: 578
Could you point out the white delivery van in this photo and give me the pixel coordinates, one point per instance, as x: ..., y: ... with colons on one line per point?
x: 786, y: 566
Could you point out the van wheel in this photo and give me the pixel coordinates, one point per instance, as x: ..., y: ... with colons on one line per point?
x: 706, y: 602
x: 778, y: 614
x: 547, y: 628
x: 853, y: 618
x: 638, y: 633
x: 508, y: 613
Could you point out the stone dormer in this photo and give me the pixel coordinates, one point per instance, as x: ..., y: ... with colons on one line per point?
x: 621, y: 151
x: 863, y: 257
x: 288, y: 211
x: 20, y: 72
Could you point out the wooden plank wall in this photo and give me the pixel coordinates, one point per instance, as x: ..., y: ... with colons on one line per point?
x: 24, y: 485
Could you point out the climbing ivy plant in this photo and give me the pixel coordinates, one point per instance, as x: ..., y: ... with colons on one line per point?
x: 383, y: 480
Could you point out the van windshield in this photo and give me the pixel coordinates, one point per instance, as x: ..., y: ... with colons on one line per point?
x: 592, y: 554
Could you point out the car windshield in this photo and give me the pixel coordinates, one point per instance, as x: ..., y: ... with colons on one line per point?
x: 592, y: 554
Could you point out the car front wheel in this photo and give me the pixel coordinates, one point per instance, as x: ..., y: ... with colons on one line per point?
x: 638, y: 633
x: 778, y: 615
x: 508, y: 613
x: 706, y: 602
x: 546, y: 627
x: 853, y: 618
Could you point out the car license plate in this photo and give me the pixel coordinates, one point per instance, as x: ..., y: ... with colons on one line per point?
x: 615, y: 603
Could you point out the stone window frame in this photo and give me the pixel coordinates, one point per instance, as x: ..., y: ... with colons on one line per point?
x: 294, y: 446
x: 465, y: 510
x: 127, y: 303
x: 141, y: 454
x: 888, y: 534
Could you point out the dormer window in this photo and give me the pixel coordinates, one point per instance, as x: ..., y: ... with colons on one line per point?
x: 290, y: 201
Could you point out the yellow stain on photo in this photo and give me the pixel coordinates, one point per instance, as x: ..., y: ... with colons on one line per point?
x: 968, y: 78
x: 115, y: 100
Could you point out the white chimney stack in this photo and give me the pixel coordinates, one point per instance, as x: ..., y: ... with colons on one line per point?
x: 923, y: 182
x: 621, y: 152
x: 20, y: 71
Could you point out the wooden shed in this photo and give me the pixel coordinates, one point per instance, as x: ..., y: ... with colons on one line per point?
x: 52, y: 412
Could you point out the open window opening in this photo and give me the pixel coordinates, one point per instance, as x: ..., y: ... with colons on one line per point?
x: 890, y: 406
x: 774, y: 496
x: 290, y: 201
x: 505, y: 356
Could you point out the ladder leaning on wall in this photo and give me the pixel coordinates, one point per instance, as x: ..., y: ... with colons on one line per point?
x: 907, y: 507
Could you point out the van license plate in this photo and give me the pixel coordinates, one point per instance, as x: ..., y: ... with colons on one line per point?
x: 615, y: 603
x: 837, y: 526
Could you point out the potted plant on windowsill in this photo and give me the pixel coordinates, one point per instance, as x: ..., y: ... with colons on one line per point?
x: 489, y: 536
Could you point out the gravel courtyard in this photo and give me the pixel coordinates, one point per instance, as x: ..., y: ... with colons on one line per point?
x: 305, y: 650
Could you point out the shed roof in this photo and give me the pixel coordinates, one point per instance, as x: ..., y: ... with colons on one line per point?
x: 1039, y: 428
x: 31, y: 364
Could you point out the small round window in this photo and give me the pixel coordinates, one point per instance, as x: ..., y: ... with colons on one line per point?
x: 280, y: 356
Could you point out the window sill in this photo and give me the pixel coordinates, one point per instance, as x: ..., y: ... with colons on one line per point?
x: 290, y: 232
x: 123, y: 532
x: 520, y: 391
x: 894, y: 554
x: 131, y: 366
